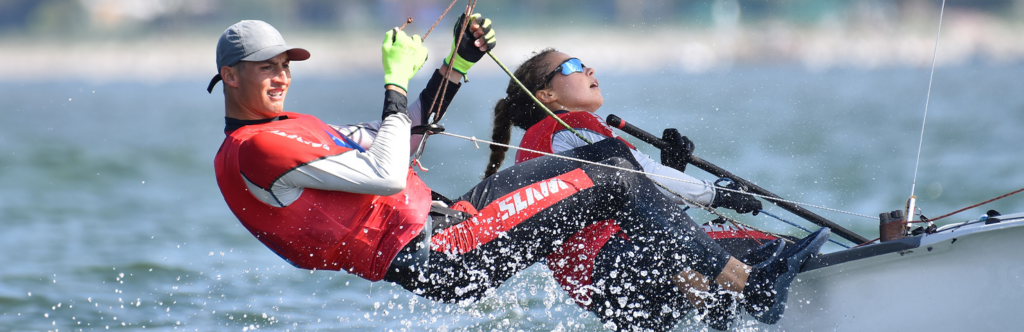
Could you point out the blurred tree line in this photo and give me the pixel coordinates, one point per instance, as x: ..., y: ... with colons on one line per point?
x: 82, y: 18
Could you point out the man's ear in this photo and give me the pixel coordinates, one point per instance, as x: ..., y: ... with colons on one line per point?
x: 230, y: 76
x: 545, y: 96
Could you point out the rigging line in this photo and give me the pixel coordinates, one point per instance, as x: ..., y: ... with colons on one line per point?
x: 444, y: 83
x: 927, y: 99
x: 566, y: 126
x: 444, y: 86
x: 975, y: 205
x: 801, y: 227
x: 867, y: 243
x: 573, y: 130
x: 688, y: 200
x: 712, y: 210
x: 474, y: 139
x: 535, y: 100
x: 552, y: 115
x: 439, y: 95
x: 439, y: 19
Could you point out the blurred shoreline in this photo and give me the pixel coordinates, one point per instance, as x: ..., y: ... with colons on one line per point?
x: 966, y: 38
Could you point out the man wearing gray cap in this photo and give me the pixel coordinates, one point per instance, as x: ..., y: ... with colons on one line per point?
x: 324, y: 196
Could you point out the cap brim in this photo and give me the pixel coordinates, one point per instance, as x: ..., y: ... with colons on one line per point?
x: 294, y: 53
x: 213, y: 82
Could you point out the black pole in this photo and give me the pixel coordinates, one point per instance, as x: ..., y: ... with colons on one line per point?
x: 643, y: 135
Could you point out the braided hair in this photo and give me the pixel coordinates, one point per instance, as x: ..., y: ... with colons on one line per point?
x: 517, y: 108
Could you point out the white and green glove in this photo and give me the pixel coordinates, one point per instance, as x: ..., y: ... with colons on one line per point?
x: 402, y: 57
x: 468, y: 54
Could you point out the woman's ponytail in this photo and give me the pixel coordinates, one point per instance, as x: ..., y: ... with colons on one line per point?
x: 501, y: 133
x: 517, y: 108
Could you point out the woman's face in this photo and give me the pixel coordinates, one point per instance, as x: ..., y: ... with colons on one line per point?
x: 576, y: 92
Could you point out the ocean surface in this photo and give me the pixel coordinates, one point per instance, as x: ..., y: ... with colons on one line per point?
x: 110, y: 217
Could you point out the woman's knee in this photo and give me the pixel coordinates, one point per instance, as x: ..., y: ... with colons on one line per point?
x: 620, y: 162
x: 616, y: 169
x: 602, y: 150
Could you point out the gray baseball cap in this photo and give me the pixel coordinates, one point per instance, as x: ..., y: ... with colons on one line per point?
x: 252, y: 40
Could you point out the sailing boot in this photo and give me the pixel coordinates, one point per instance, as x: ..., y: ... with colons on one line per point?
x: 767, y: 288
x: 722, y: 307
x: 805, y: 242
x: 765, y: 252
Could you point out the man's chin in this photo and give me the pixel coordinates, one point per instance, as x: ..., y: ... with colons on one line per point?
x: 275, y: 108
x: 271, y: 112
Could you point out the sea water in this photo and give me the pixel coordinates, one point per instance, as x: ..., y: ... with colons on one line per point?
x: 110, y: 217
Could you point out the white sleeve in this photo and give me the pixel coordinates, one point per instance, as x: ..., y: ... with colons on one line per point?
x: 564, y: 140
x: 381, y: 170
x: 416, y: 113
x: 701, y: 191
x: 365, y: 132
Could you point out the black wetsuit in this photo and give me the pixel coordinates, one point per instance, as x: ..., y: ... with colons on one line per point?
x: 671, y: 241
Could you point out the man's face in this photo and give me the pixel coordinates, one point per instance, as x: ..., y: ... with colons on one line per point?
x: 263, y: 85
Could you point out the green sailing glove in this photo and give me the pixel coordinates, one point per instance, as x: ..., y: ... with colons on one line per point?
x: 468, y: 54
x: 402, y: 57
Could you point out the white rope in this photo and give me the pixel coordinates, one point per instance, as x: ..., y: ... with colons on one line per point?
x: 935, y: 52
x: 475, y: 140
x: 688, y: 200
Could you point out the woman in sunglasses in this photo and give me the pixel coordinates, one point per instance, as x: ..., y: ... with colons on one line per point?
x: 600, y: 266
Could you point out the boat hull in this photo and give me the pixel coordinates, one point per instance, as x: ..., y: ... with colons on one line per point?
x: 969, y: 278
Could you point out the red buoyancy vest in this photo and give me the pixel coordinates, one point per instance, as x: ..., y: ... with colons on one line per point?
x: 572, y: 263
x: 322, y: 229
x: 539, y: 136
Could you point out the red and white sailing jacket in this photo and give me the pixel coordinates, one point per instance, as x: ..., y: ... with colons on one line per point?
x: 321, y: 200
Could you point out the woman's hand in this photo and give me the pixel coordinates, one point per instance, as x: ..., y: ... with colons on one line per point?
x: 736, y: 200
x: 677, y: 153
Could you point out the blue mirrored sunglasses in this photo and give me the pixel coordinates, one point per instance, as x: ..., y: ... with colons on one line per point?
x: 572, y: 65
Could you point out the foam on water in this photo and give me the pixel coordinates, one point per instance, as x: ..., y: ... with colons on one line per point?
x: 111, y: 215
